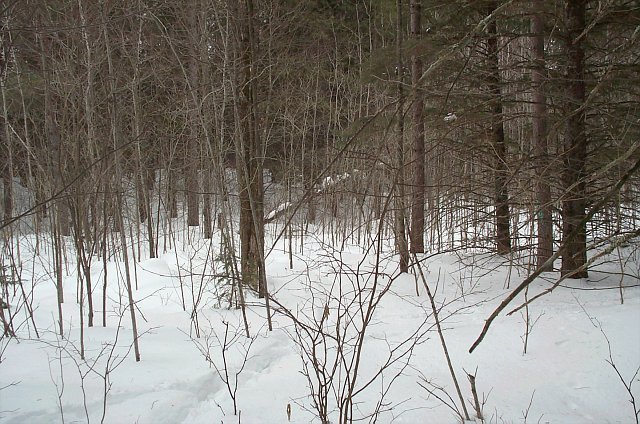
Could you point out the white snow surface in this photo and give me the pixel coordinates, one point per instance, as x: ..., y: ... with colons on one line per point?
x: 563, y: 378
x: 331, y: 181
x: 450, y: 117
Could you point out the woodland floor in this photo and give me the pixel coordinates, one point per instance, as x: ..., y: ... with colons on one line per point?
x: 564, y: 377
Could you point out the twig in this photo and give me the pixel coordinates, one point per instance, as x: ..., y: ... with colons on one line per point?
x: 474, y: 392
x: 610, y: 361
x: 525, y: 414
x: 442, y: 340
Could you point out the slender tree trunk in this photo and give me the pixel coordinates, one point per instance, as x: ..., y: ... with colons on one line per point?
x: 417, y: 206
x: 145, y: 178
x: 7, y: 182
x: 191, y: 156
x: 249, y: 167
x: 575, y: 143
x: 543, y: 188
x: 172, y: 199
x: 5, y: 143
x: 55, y: 160
x: 115, y: 139
x: 83, y: 236
x: 57, y: 241
x: 399, y: 220
x: 207, y: 175
x: 501, y: 195
x: 105, y: 262
x: 209, y: 160
x: 83, y: 257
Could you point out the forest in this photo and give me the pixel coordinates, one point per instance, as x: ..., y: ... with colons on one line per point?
x: 328, y: 211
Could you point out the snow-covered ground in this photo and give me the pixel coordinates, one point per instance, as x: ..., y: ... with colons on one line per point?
x: 196, y: 360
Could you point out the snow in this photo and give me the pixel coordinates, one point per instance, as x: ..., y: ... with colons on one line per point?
x: 450, y: 117
x: 281, y: 207
x: 563, y: 378
x: 330, y: 181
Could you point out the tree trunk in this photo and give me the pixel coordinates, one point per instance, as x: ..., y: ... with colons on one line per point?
x: 501, y: 194
x: 249, y: 167
x: 172, y: 200
x: 115, y: 127
x: 575, y: 144
x: 543, y: 189
x: 5, y: 140
x: 7, y: 186
x: 417, y: 206
x: 191, y: 155
x: 7, y: 176
x: 399, y: 220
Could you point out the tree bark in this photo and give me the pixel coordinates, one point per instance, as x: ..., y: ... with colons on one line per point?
x: 115, y: 138
x: 5, y: 143
x: 56, y: 159
x: 249, y: 167
x: 191, y: 155
x: 416, y: 234
x: 575, y: 143
x: 7, y: 172
x: 543, y: 189
x: 399, y: 219
x: 501, y: 194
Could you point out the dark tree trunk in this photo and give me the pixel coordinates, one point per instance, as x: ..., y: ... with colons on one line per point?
x: 543, y: 189
x: 7, y: 198
x: 206, y: 207
x: 416, y: 234
x: 501, y: 199
x: 249, y: 168
x: 192, y: 188
x: 142, y: 197
x: 172, y: 200
x: 575, y: 145
x: 399, y: 196
x: 7, y: 177
x: 192, y: 164
x: 7, y: 152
